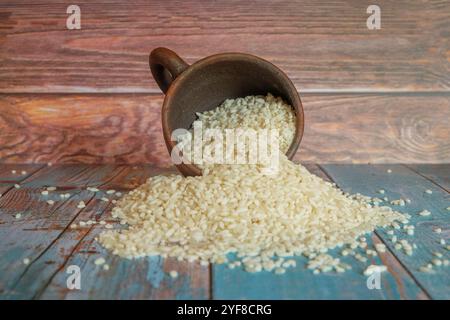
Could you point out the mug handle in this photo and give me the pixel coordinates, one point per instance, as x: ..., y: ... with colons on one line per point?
x: 166, y: 65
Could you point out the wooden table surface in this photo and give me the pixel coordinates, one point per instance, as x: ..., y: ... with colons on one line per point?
x: 42, y: 234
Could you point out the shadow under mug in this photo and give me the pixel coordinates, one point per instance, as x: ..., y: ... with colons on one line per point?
x: 205, y: 84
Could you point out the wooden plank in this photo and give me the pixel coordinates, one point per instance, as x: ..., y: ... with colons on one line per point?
x: 145, y: 278
x: 41, y: 224
x: 82, y: 129
x: 125, y: 128
x: 302, y: 284
x: 22, y: 171
x: 322, y: 45
x: 404, y: 183
x: 43, y: 236
x: 376, y: 128
x: 437, y: 173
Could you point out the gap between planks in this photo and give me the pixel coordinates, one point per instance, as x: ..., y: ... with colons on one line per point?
x: 211, y: 271
x: 76, y: 255
x: 121, y: 129
x: 299, y: 283
x: 38, y: 294
x: 30, y: 169
x: 414, y: 186
x: 60, y: 204
x: 381, y: 240
x: 417, y: 171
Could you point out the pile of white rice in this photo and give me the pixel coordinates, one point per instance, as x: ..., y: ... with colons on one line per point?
x: 262, y: 218
x: 241, y: 117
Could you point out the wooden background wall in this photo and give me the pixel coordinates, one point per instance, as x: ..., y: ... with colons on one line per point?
x: 87, y: 95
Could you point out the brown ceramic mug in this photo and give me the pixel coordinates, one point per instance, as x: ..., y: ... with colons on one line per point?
x: 208, y: 82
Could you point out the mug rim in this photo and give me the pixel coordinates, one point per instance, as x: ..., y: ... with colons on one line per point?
x: 229, y: 56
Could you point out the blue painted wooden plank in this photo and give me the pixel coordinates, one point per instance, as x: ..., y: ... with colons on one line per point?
x: 300, y: 283
x: 46, y: 276
x: 33, y: 236
x: 22, y: 172
x: 438, y: 173
x: 26, y: 237
x: 137, y: 279
x: 404, y: 183
x: 144, y: 278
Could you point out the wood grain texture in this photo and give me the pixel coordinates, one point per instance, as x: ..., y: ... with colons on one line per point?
x: 82, y: 129
x: 40, y: 226
x: 376, y: 128
x: 145, y: 278
x: 8, y: 178
x: 55, y: 240
x: 300, y: 283
x: 126, y: 128
x: 405, y: 183
x: 43, y: 236
x: 322, y: 45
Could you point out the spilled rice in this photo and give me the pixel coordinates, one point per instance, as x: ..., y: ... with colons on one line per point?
x: 264, y: 219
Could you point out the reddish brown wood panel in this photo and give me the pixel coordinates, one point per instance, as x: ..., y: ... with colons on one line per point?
x: 125, y: 128
x: 84, y: 129
x: 322, y: 45
x: 376, y: 128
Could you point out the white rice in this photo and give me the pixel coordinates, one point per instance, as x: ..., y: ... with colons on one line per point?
x: 235, y: 208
